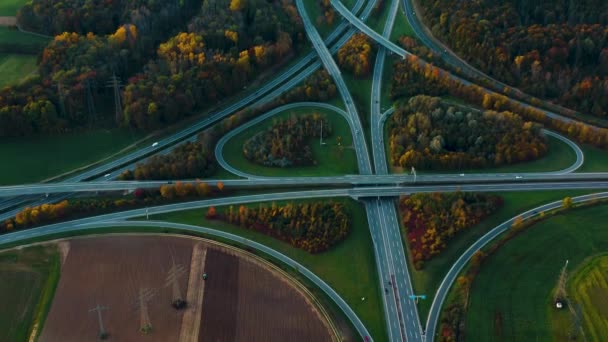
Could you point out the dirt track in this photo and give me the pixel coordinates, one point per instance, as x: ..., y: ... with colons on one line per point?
x: 8, y: 21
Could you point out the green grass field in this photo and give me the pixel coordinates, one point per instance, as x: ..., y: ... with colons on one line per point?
x: 12, y: 40
x: 349, y: 268
x: 14, y: 68
x: 330, y: 161
x: 514, y: 304
x: 9, y: 8
x: 588, y: 288
x: 28, y: 283
x: 428, y: 279
x: 37, y: 158
x: 596, y: 160
x: 402, y: 26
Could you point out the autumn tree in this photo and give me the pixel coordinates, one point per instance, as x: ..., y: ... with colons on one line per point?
x: 356, y: 55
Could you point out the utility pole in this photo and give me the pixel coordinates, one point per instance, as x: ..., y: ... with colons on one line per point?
x: 177, y: 301
x: 560, y: 292
x: 144, y: 296
x: 90, y: 103
x: 61, y: 103
x: 102, y: 332
x: 115, y: 83
x: 321, y: 139
x: 414, y: 173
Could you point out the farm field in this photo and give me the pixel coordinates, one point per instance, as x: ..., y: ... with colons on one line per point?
x: 28, y: 281
x: 588, y: 288
x: 113, y: 271
x: 14, y: 68
x: 521, y: 308
x: 238, y: 290
x: 29, y: 160
x: 329, y: 160
x: 12, y: 40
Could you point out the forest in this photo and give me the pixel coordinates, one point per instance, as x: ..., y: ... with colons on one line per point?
x: 429, y: 134
x: 186, y: 68
x: 557, y: 50
x: 285, y: 143
x: 424, y: 77
x: 356, y: 55
x: 432, y: 219
x: 314, y: 227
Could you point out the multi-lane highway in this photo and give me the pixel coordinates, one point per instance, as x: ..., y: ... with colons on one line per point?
x: 377, y: 191
x: 262, y: 95
x: 363, y: 160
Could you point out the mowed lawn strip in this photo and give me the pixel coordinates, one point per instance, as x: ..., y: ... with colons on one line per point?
x: 28, y: 280
x: 329, y: 159
x: 14, y: 68
x: 515, y: 303
x: 588, y: 289
x: 427, y: 280
x: 349, y: 268
x: 37, y: 158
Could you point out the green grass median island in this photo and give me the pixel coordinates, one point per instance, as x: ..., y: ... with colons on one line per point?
x: 330, y: 160
x: 14, y: 68
x: 588, y: 291
x: 349, y: 267
x: 427, y: 280
x: 516, y: 302
x: 37, y: 158
x: 28, y: 280
x: 596, y: 160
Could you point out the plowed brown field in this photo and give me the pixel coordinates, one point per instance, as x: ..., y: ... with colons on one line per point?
x: 243, y: 299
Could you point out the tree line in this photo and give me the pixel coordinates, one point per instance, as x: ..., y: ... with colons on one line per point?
x: 314, y: 227
x: 79, y: 207
x: 556, y: 50
x: 221, y: 52
x: 422, y: 76
x: 285, y: 142
x: 186, y: 161
x: 432, y: 219
x: 429, y: 134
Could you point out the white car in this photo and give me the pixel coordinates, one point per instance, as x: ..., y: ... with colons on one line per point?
x: 106, y: 175
x: 518, y: 177
x: 155, y: 144
x: 462, y: 175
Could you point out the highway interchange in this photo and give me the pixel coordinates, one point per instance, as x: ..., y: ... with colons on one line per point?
x: 373, y: 186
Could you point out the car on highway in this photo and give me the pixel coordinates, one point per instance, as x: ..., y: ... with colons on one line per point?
x: 462, y: 175
x: 106, y: 175
x: 518, y: 177
x: 155, y: 144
